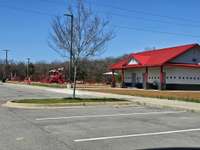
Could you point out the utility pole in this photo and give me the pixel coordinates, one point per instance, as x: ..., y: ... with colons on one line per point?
x: 6, y: 63
x: 71, y: 48
x: 27, y: 73
x: 6, y: 52
x: 27, y: 68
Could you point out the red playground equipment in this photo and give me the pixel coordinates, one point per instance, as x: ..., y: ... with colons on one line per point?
x: 56, y: 76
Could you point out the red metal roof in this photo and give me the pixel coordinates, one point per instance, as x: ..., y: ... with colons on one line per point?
x: 184, y: 65
x: 119, y: 64
x: 154, y: 57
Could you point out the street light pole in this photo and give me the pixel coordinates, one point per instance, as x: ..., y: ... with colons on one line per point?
x: 6, y: 52
x: 6, y: 63
x: 27, y: 73
x: 71, y: 47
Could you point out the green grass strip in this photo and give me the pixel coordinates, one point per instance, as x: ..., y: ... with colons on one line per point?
x: 66, y: 100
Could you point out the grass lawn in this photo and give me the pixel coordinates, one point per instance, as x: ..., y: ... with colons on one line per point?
x: 66, y: 100
x: 192, y: 96
x: 56, y: 85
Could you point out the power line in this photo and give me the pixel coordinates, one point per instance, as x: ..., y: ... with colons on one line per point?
x: 138, y: 11
x: 118, y: 26
x: 135, y: 17
x: 27, y: 10
x: 51, y: 2
x: 147, y: 13
x: 155, y: 31
x: 152, y: 20
x: 113, y: 14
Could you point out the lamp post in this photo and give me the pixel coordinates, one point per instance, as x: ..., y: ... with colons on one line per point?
x: 6, y: 64
x: 71, y: 47
x: 27, y: 68
x: 27, y: 73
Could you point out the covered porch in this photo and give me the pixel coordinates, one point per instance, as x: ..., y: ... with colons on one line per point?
x: 143, y: 77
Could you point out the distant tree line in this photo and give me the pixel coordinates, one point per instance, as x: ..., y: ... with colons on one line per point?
x: 90, y: 70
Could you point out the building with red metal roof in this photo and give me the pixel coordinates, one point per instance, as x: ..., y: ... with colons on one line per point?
x: 167, y: 68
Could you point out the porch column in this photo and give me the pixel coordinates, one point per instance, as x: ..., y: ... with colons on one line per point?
x: 122, y: 78
x: 113, y: 79
x: 145, y: 82
x: 162, y: 83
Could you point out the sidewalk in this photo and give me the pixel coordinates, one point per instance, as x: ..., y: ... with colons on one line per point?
x: 155, y: 102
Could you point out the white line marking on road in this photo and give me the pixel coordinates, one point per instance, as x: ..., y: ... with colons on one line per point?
x: 19, y: 138
x: 110, y: 115
x: 136, y: 135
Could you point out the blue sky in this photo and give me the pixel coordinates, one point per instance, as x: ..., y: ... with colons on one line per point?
x: 138, y: 24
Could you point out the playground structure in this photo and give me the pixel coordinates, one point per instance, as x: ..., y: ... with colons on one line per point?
x: 55, y: 76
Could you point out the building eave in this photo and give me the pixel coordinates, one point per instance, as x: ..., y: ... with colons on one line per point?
x: 183, y: 65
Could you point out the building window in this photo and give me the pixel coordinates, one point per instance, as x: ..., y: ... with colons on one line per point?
x: 194, y: 78
x: 174, y: 77
x: 187, y: 78
x: 170, y: 77
x: 197, y: 78
x: 179, y: 77
x: 190, y: 78
x: 166, y: 77
x: 183, y: 78
x: 154, y: 77
x: 194, y: 59
x: 158, y: 78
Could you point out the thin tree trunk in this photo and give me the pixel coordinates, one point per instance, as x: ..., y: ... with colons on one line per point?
x: 74, y: 87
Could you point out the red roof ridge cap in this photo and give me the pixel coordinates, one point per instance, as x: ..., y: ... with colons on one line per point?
x: 160, y: 49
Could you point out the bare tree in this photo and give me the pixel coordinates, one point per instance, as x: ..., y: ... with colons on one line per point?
x: 90, y: 34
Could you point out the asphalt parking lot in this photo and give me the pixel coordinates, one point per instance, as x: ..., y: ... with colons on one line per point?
x: 11, y: 92
x: 97, y: 128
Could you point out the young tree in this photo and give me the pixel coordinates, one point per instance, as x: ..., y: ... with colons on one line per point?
x: 90, y: 34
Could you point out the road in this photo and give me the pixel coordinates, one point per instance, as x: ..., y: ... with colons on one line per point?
x: 92, y: 127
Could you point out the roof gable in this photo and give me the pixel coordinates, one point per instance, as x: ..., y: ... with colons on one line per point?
x: 154, y: 57
x: 161, y: 56
x: 133, y: 61
x: 190, y: 57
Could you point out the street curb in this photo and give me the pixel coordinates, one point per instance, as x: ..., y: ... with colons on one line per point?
x: 161, y: 103
x: 147, y: 101
x: 148, y: 104
x: 11, y: 104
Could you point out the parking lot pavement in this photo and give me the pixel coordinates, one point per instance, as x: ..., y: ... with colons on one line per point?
x: 98, y: 128
x: 13, y: 92
x: 90, y: 127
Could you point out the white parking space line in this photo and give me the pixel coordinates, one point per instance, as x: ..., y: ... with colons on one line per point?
x: 136, y: 135
x: 110, y: 115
